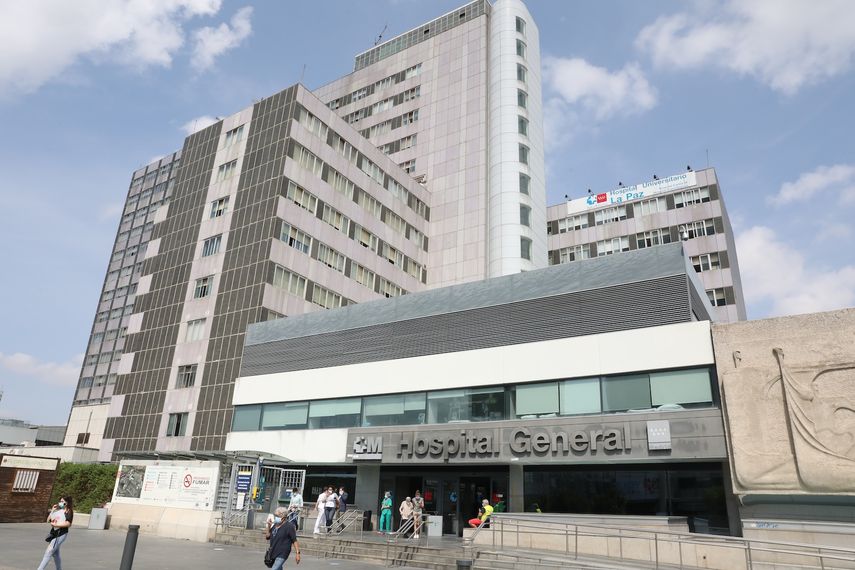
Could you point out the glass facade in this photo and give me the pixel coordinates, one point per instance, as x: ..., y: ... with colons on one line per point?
x: 687, y: 388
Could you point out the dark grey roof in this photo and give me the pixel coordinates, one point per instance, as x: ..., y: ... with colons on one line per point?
x: 623, y: 268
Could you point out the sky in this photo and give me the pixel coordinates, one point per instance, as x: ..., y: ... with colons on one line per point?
x: 91, y: 90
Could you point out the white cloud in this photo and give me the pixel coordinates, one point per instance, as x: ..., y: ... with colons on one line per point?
x: 839, y: 178
x: 197, y: 124
x: 213, y: 42
x: 786, y: 44
x: 831, y: 231
x: 110, y: 212
x: 596, y: 90
x: 40, y: 40
x: 58, y: 374
x: 779, y: 275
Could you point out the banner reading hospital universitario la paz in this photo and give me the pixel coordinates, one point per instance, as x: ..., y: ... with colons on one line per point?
x: 189, y: 485
x: 626, y: 194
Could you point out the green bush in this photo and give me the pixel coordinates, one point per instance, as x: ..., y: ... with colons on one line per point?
x: 90, y: 485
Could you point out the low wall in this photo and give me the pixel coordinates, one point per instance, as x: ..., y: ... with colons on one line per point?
x: 189, y: 524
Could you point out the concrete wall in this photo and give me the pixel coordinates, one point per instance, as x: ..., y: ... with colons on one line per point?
x: 189, y: 524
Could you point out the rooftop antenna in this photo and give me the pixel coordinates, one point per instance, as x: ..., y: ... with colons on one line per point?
x: 708, y: 158
x: 302, y: 73
x: 380, y: 37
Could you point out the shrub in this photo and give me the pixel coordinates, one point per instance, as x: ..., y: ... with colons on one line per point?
x: 90, y: 485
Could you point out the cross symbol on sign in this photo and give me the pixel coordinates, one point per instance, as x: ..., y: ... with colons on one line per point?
x: 188, y: 480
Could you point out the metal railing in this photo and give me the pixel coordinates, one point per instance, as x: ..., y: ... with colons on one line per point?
x: 664, y: 547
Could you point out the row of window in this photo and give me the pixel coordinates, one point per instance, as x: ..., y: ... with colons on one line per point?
x: 376, y: 86
x: 384, y: 105
x: 297, y: 285
x: 308, y: 160
x: 607, y: 394
x: 399, y: 145
x: 333, y: 217
x: 119, y: 294
x: 640, y: 240
x: 102, y: 380
x: 166, y: 169
x: 116, y: 313
x: 390, y: 125
x: 636, y: 209
x: 103, y: 358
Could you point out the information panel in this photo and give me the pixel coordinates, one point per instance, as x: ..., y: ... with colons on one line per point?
x: 182, y: 484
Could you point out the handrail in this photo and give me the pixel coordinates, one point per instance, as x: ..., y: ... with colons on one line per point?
x: 574, y: 530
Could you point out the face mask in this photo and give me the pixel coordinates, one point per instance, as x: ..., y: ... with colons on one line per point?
x: 277, y: 520
x: 62, y: 505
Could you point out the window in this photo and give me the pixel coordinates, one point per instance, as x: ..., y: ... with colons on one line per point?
x: 284, y: 415
x: 186, y: 376
x: 233, y: 136
x: 363, y: 275
x: 195, y: 330
x: 302, y: 197
x: 535, y: 400
x: 652, y: 206
x: 466, y: 405
x: 313, y: 124
x: 681, y: 387
x: 525, y: 215
x: 574, y: 253
x: 389, y: 289
x: 609, y: 215
x: 653, y: 237
x: 372, y: 170
x: 693, y: 196
x: 325, y: 298
x: 91, y: 360
x: 367, y: 239
x: 525, y: 183
x: 211, y: 246
x: 407, y: 142
x: 346, y: 149
x: 26, y: 481
x: 522, y: 126
x: 408, y: 166
x: 577, y: 222
x: 409, y: 118
x: 330, y: 257
x: 521, y: 48
x: 394, y: 410
x: 226, y: 170
x: 614, y: 245
x: 392, y: 255
x: 295, y: 238
x: 524, y: 152
x: 706, y: 262
x: 522, y: 98
x: 411, y: 94
x: 309, y: 161
x: 203, y: 287
x: 290, y: 281
x: 698, y: 229
x: 580, y: 396
x: 177, y: 425
x: 395, y: 222
x: 520, y: 25
x: 246, y: 418
x: 525, y: 248
x: 622, y: 393
x: 82, y: 438
x: 717, y: 297
x: 342, y: 185
x: 335, y: 218
x: 370, y: 204
x: 522, y: 72
x: 219, y: 207
x: 335, y: 413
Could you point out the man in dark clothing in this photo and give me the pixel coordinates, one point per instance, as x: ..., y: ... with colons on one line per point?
x: 342, y: 507
x: 282, y: 536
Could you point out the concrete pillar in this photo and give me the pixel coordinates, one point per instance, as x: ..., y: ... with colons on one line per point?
x: 367, y: 487
x: 732, y: 503
x: 516, y: 488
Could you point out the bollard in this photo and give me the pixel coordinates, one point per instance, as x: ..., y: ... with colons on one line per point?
x: 464, y: 564
x: 130, y: 547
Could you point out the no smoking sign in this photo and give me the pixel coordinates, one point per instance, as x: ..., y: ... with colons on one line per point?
x: 188, y: 480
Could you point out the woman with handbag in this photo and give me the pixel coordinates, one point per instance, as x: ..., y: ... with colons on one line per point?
x: 60, y: 519
x: 282, y: 536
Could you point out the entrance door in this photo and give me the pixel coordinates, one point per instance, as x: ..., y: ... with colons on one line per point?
x: 449, y: 506
x: 472, y: 491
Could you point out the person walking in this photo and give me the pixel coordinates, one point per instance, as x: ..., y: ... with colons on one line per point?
x: 342, y: 507
x: 60, y: 519
x: 386, y: 513
x: 295, y: 507
x: 483, y: 515
x: 330, y: 506
x: 418, y: 507
x: 319, y: 508
x: 282, y: 536
x: 406, y: 512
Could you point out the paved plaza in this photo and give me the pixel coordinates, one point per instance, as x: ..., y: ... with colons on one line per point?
x: 22, y: 547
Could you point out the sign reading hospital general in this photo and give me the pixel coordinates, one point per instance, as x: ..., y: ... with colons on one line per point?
x: 626, y: 194
x: 181, y: 484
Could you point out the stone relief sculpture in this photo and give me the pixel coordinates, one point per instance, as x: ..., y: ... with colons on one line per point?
x: 791, y: 427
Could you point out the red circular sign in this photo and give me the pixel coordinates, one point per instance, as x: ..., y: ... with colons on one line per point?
x: 188, y: 480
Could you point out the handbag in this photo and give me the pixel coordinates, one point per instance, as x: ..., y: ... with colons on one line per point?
x: 268, y: 557
x: 54, y: 533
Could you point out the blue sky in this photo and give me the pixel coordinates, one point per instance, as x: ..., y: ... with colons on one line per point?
x: 91, y: 90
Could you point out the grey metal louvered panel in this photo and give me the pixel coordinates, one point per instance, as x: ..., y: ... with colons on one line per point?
x: 621, y: 307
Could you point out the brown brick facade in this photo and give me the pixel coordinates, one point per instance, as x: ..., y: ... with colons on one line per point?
x: 25, y: 506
